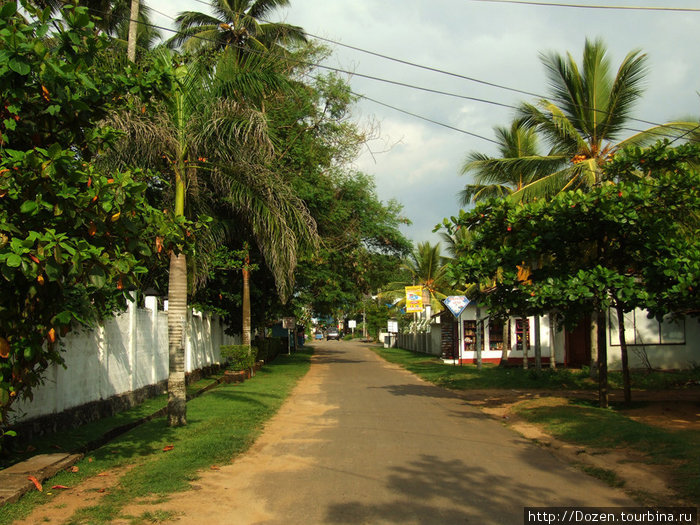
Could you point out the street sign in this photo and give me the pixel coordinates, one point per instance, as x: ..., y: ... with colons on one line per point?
x: 352, y: 323
x: 288, y: 323
x: 456, y: 304
x: 393, y: 326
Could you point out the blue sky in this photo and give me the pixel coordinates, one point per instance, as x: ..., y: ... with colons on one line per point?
x: 417, y: 162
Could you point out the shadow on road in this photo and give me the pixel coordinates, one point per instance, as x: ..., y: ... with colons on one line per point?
x: 431, y: 490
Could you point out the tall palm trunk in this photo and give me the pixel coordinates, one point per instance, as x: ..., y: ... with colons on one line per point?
x: 133, y: 26
x: 177, y: 317
x: 246, y: 336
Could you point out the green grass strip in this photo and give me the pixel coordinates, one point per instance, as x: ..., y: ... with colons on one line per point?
x: 221, y: 424
x: 467, y: 377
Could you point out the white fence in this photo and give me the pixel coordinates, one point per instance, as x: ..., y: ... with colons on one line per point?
x: 122, y: 355
x: 424, y: 342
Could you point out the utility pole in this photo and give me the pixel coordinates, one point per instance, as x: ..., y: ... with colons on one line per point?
x: 133, y: 24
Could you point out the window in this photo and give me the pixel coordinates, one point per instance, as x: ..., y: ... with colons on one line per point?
x: 640, y: 330
x: 522, y: 328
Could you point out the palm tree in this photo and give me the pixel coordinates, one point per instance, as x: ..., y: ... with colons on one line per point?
x: 215, y: 147
x: 239, y: 24
x: 425, y: 267
x: 512, y: 170
x: 589, y: 112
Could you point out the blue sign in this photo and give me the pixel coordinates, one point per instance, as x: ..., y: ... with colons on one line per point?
x: 456, y: 304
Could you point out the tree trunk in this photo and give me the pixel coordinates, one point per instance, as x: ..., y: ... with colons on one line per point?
x: 479, y: 340
x: 623, y: 352
x: 526, y: 341
x: 601, y: 338
x: 133, y: 26
x: 538, y: 345
x: 177, y: 315
x: 552, y: 341
x: 506, y: 348
x: 594, y: 344
x: 246, y: 336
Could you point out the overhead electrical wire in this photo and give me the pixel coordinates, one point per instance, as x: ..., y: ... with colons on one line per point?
x: 584, y: 6
x: 401, y: 84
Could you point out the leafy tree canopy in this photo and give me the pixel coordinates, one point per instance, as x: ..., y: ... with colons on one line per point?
x: 73, y: 239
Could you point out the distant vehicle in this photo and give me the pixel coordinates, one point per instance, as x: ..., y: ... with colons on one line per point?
x: 318, y: 335
x: 332, y: 333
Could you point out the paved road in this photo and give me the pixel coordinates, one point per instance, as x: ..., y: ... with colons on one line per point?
x: 363, y: 441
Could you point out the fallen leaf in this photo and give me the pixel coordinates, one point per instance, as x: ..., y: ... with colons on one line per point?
x: 36, y: 483
x: 102, y: 474
x: 74, y: 469
x: 90, y: 460
x: 60, y: 487
x: 168, y: 447
x: 214, y: 467
x: 101, y: 490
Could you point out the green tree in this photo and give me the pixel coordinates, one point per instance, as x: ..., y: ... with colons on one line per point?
x: 585, y: 119
x: 213, y: 141
x: 236, y: 24
x: 423, y: 267
x: 642, y: 258
x: 73, y: 238
x: 511, y: 171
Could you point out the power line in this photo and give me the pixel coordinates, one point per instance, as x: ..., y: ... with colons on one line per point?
x: 583, y: 6
x: 400, y: 84
x: 471, y: 79
x: 425, y: 118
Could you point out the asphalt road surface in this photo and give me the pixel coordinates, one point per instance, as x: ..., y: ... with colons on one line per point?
x: 363, y: 441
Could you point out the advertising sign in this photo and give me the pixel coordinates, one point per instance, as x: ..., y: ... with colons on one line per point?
x: 352, y: 323
x: 456, y: 304
x: 414, y: 299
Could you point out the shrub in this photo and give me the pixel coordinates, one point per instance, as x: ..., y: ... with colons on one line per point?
x: 239, y: 357
x: 270, y: 348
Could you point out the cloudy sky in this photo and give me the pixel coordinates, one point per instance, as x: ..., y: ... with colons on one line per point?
x: 417, y: 162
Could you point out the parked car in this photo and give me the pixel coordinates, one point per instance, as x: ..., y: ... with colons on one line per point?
x: 332, y: 333
x: 318, y: 334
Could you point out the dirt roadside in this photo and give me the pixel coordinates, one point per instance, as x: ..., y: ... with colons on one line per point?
x: 668, y: 409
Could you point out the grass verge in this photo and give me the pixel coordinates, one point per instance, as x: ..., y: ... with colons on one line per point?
x: 579, y: 422
x: 79, y: 439
x: 467, y: 377
x: 221, y: 424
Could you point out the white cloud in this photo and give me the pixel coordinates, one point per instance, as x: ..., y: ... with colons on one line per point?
x: 498, y: 43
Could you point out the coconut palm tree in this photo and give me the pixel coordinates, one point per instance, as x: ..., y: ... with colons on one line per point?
x: 512, y: 170
x: 586, y: 118
x: 215, y: 147
x: 425, y: 266
x: 239, y: 24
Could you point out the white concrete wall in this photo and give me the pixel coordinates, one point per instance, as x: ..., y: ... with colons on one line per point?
x: 671, y: 345
x: 124, y: 354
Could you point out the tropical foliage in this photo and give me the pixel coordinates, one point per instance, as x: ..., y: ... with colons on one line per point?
x: 586, y: 120
x: 74, y: 239
x: 608, y: 247
x: 239, y: 25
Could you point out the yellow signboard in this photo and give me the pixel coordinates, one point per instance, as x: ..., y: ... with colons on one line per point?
x: 414, y: 299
